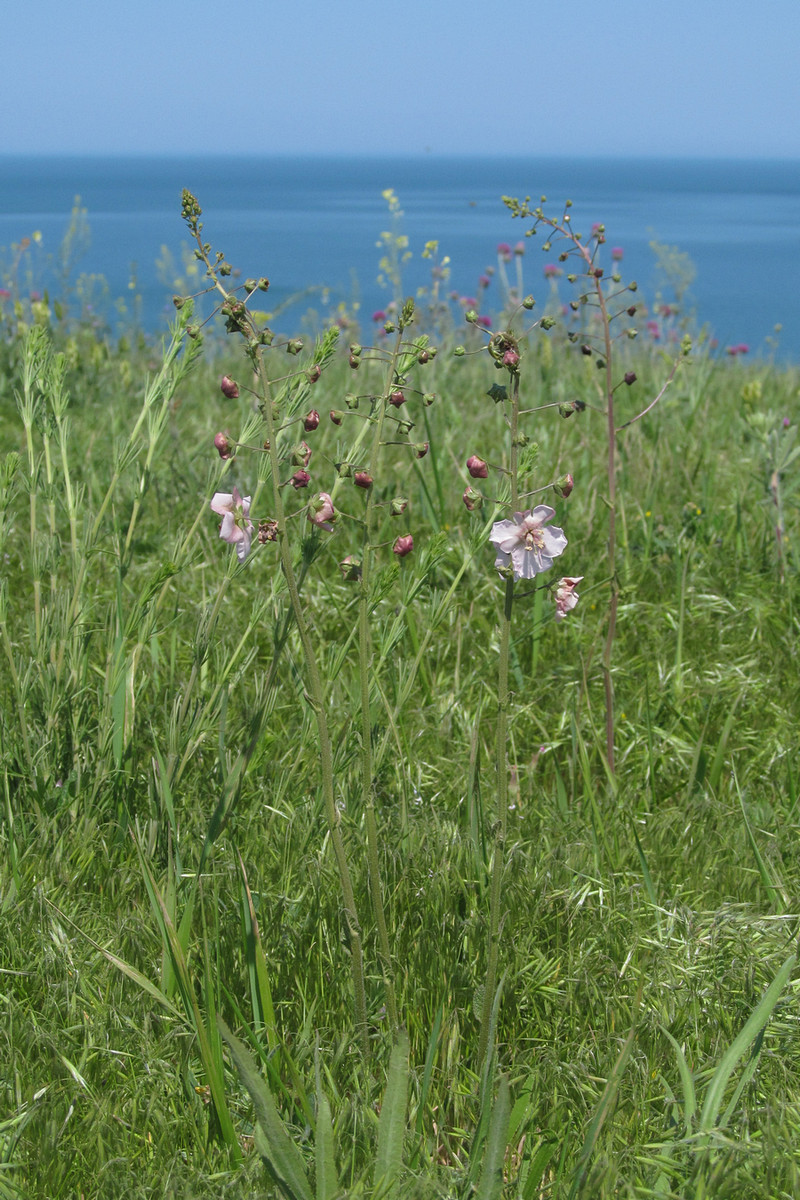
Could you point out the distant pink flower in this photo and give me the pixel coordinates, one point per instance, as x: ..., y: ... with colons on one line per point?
x: 551, y: 271
x: 486, y: 322
x: 5, y: 294
x: 786, y: 422
x: 566, y: 596
x: 504, y: 249
x: 380, y: 315
x: 519, y: 248
x: 236, y: 526
x: 484, y: 281
x: 468, y: 301
x: 617, y: 253
x: 321, y: 512
x: 526, y: 543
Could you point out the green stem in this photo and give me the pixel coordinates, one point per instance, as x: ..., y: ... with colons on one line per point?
x: 501, y: 758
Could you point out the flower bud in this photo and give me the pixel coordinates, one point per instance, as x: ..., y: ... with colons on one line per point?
x: 350, y: 568
x: 547, y: 322
x: 355, y: 349
x: 477, y: 468
x: 566, y: 408
x: 421, y: 449
x: 321, y: 511
x: 355, y: 361
x: 351, y: 400
x: 587, y: 350
x: 398, y: 506
x: 528, y: 303
x: 363, y: 479
x: 229, y: 387
x: 460, y: 351
x: 428, y: 399
x: 563, y: 486
x: 222, y: 445
x: 301, y: 455
x: 396, y: 399
x: 630, y: 377
x: 179, y: 302
x: 312, y: 421
x: 263, y: 284
x: 337, y: 416
x: 301, y: 479
x: 344, y: 470
x: 405, y: 426
x: 511, y: 360
x: 472, y: 499
x: 294, y: 346
x: 403, y: 545
x: 423, y: 357
x: 313, y: 373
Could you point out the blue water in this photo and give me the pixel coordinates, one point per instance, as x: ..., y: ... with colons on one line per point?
x: 304, y: 222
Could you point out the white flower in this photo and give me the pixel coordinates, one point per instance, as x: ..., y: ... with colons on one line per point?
x: 236, y: 527
x: 526, y: 543
x: 566, y: 596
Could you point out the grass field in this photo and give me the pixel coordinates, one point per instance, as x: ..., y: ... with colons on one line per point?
x: 165, y: 851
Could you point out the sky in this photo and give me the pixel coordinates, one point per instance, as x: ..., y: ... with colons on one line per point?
x: 713, y: 78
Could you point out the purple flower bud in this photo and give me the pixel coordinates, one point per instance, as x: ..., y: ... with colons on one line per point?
x: 786, y: 422
x: 222, y: 445
x: 337, y: 416
x: 301, y: 455
x: 229, y: 387
x: 379, y: 316
x: 312, y: 421
x: 301, y: 479
x: 477, y: 468
x: 397, y: 398
x: 363, y: 479
x: 313, y: 373
x: 563, y: 486
x: 484, y: 281
x: 472, y: 499
x: 403, y: 545
x: 511, y: 360
x: 630, y: 377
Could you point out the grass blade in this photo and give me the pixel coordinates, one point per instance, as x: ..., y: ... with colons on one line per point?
x: 392, y: 1122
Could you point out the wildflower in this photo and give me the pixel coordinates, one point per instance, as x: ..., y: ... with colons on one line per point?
x: 483, y: 281
x: 350, y: 568
x: 380, y: 315
x: 617, y: 253
x: 398, y: 506
x: 519, y: 249
x: 630, y: 377
x: 421, y: 449
x: 566, y: 596
x: 222, y: 445
x: 301, y: 479
x: 477, y: 468
x: 236, y: 526
x: 312, y: 421
x: 363, y: 479
x: 229, y: 387
x: 321, y: 512
x: 511, y: 360
x: 551, y: 271
x: 397, y: 398
x: 486, y: 322
x: 526, y: 544
x: 403, y: 545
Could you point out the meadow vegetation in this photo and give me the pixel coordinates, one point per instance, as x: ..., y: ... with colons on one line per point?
x: 231, y: 773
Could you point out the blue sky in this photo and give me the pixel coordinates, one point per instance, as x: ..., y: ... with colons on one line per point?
x: 616, y: 77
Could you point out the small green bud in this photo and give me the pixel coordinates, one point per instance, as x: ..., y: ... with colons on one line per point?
x: 398, y: 506
x: 631, y: 333
x: 263, y: 284
x: 405, y: 426
x: 528, y: 303
x: 294, y: 346
x: 686, y: 345
x: 345, y: 470
x: 179, y: 302
x: 428, y: 399
x: 351, y: 401
x: 471, y: 316
x: 460, y: 351
x: 355, y: 349
x: 250, y: 285
x: 224, y: 268
x: 547, y: 322
x: 521, y: 439
x: 633, y: 286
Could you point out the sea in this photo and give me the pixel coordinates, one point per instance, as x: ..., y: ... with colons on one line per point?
x: 313, y: 227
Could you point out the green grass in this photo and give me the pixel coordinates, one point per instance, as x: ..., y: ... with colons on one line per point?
x: 150, y: 752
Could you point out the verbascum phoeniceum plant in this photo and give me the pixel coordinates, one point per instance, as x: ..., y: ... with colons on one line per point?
x: 298, y: 518
x: 601, y: 315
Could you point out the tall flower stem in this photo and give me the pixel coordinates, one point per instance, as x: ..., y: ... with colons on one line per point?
x: 242, y: 320
x: 501, y: 756
x: 364, y: 667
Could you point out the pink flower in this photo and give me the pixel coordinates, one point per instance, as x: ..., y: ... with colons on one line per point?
x: 380, y: 315
x: 617, y: 253
x: 526, y: 544
x: 566, y: 596
x: 477, y: 468
x: 484, y: 281
x: 321, y: 512
x: 311, y: 421
x: 551, y: 271
x: 236, y: 526
x: 229, y: 387
x: 486, y: 322
x: 403, y: 545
